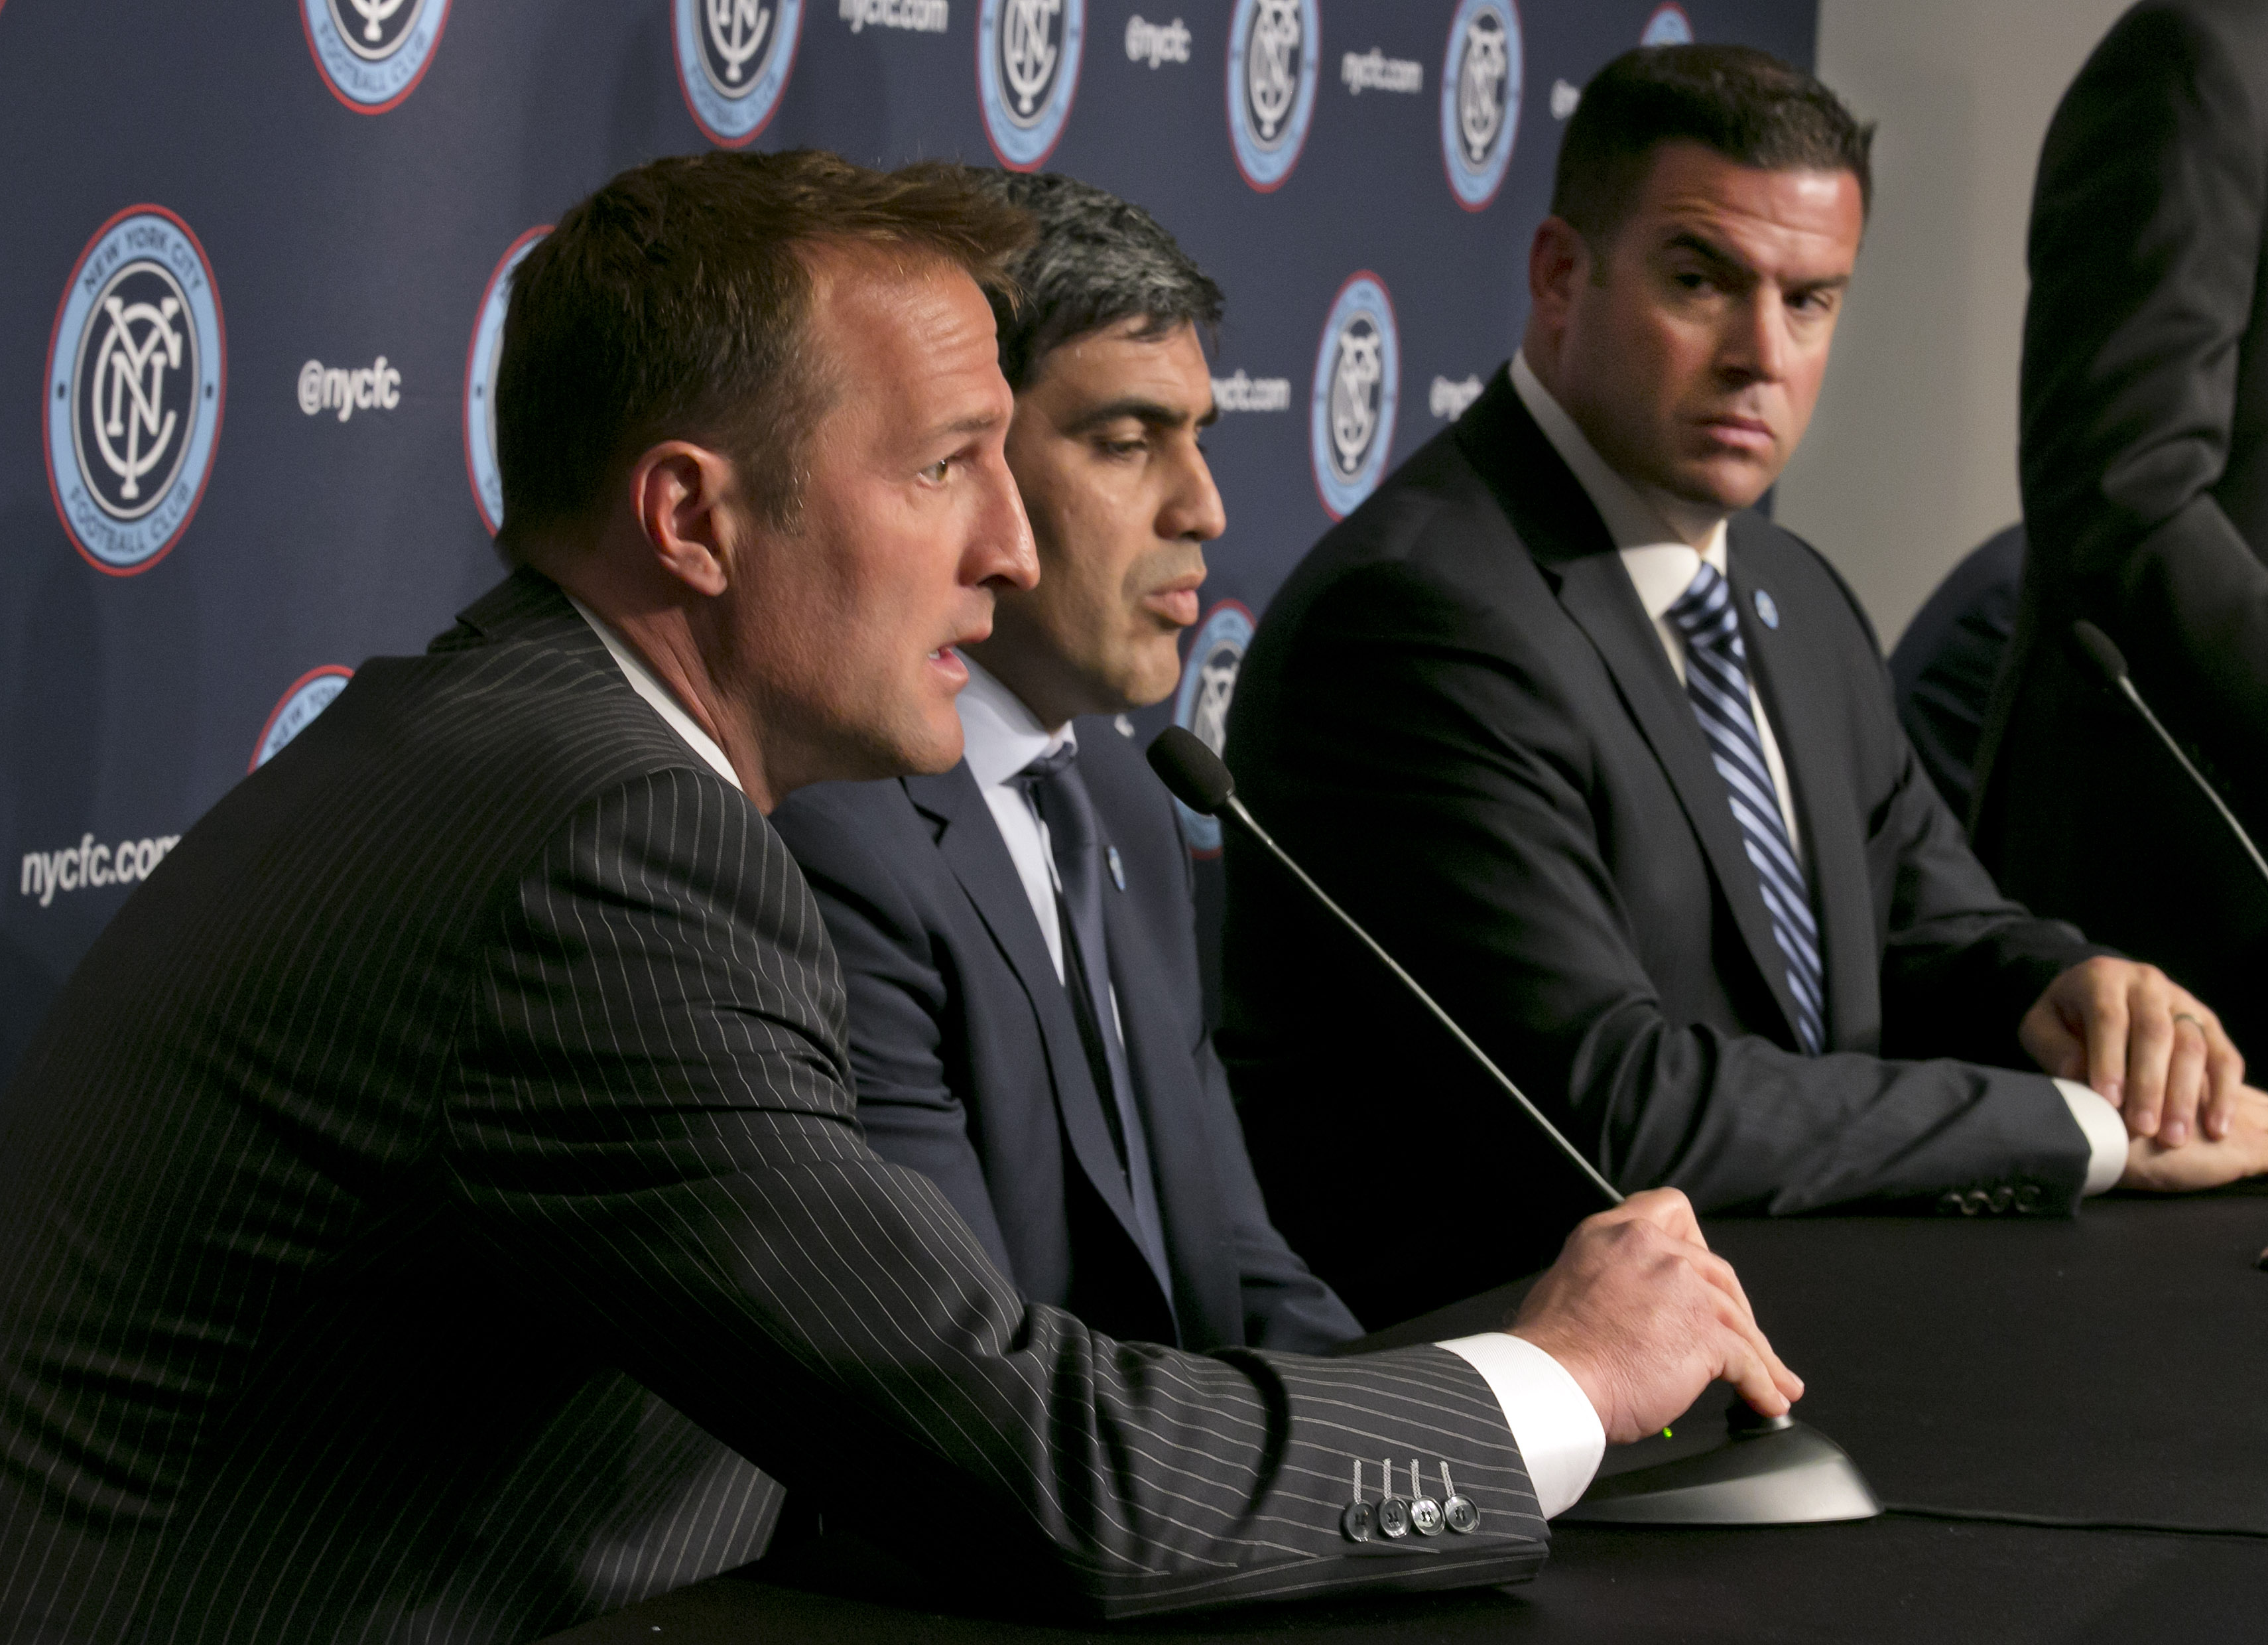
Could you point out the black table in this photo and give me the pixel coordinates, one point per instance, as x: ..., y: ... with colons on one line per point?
x: 2111, y: 1368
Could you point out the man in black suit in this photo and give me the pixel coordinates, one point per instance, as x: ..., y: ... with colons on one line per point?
x: 473, y: 1077
x: 1610, y: 761
x: 1018, y: 934
x: 2144, y: 458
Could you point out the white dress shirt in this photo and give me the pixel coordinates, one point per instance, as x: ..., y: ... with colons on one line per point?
x: 999, y: 738
x: 1662, y: 540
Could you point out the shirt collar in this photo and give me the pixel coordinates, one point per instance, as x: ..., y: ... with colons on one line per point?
x: 643, y: 682
x: 1661, y: 563
x: 1000, y: 735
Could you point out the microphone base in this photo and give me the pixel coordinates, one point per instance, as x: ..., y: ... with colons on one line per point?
x: 1779, y: 1473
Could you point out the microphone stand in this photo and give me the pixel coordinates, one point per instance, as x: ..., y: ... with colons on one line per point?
x: 2106, y: 657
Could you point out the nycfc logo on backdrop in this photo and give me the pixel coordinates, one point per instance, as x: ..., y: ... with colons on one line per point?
x: 733, y: 57
x: 1668, y: 27
x: 1274, y: 48
x: 1156, y: 43
x: 309, y: 696
x: 134, y: 389
x: 480, y: 383
x: 373, y: 52
x: 1201, y: 705
x: 1448, y: 400
x: 1358, y: 372
x: 1026, y: 74
x: 1480, y: 99
x: 335, y: 388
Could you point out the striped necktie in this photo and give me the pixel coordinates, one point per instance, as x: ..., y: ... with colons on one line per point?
x: 1717, y: 685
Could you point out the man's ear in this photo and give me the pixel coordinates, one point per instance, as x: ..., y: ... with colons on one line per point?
x: 687, y: 500
x: 1557, y: 261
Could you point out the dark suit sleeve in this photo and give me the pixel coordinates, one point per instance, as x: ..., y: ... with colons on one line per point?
x: 898, y: 995
x: 653, y: 1122
x: 1437, y: 775
x: 2146, y: 239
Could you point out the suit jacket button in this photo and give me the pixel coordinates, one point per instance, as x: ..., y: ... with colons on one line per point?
x: 1463, y: 1516
x: 1358, y: 1522
x: 1426, y: 1517
x: 1394, y: 1518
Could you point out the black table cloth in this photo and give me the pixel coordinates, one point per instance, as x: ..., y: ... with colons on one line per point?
x: 2111, y: 1368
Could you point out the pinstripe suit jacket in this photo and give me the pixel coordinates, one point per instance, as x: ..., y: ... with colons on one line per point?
x: 472, y: 1078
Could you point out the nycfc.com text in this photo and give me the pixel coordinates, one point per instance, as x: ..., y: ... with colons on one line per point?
x: 76, y: 868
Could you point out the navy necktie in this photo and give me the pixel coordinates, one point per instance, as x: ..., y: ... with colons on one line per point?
x: 1717, y: 685
x: 1053, y: 785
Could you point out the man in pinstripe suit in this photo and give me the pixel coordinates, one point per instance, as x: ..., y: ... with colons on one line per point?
x: 473, y: 1077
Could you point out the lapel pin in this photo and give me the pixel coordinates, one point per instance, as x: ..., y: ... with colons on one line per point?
x: 1117, y: 869
x: 1768, y: 609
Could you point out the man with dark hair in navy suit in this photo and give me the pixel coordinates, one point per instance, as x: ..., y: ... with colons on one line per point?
x: 1018, y: 934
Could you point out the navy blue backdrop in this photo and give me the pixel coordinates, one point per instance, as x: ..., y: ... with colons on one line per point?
x: 254, y: 257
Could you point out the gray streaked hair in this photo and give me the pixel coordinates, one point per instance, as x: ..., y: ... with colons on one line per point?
x: 1098, y: 260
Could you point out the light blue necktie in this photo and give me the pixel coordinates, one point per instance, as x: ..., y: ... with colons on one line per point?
x: 1717, y: 684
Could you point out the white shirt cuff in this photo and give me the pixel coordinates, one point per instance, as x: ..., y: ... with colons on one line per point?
x: 1559, y: 1435
x: 2106, y: 1135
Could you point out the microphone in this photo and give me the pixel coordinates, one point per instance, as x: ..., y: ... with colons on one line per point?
x: 1196, y: 778
x: 2112, y: 662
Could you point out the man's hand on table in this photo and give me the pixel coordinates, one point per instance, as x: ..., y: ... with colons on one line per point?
x: 2145, y: 1046
x: 2204, y: 1162
x: 1644, y: 1317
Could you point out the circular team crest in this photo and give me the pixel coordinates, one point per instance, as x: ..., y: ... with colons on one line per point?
x: 480, y: 383
x: 1201, y: 705
x: 733, y: 58
x: 134, y: 385
x: 1026, y: 74
x: 1275, y: 49
x: 309, y: 694
x: 372, y: 53
x: 1668, y: 27
x: 1358, y: 375
x: 1480, y: 99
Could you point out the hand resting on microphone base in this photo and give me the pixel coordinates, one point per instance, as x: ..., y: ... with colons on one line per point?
x: 1645, y: 1317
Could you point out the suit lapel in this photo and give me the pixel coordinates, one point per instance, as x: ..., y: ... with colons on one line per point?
x: 1559, y: 524
x: 970, y: 843
x: 1819, y: 773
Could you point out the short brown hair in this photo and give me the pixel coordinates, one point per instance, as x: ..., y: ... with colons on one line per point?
x: 1745, y: 104
x: 671, y: 304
